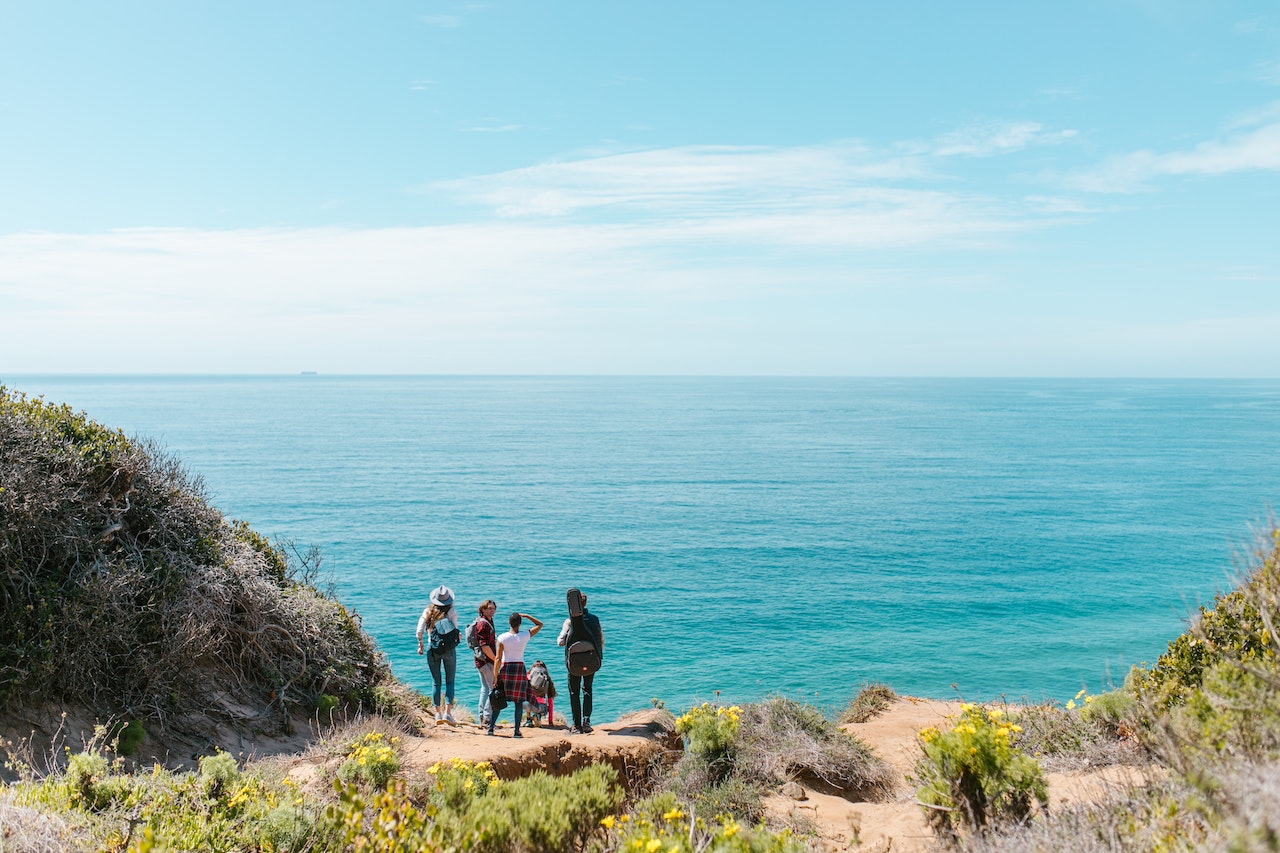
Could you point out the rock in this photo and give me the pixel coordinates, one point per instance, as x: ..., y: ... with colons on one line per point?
x: 795, y: 791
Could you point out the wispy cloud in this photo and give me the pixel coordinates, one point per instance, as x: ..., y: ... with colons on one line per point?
x: 1245, y: 147
x: 491, y: 125
x: 1268, y: 72
x: 1255, y: 26
x: 985, y: 139
x: 653, y: 259
x: 698, y: 181
x: 1059, y: 93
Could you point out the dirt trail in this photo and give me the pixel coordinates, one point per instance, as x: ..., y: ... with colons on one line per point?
x: 633, y: 746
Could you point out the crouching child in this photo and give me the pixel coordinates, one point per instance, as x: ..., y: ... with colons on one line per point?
x: 541, y: 710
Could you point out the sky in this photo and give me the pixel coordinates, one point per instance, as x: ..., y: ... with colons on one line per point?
x: 811, y: 188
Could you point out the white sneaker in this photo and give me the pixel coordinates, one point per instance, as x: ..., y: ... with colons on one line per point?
x: 448, y: 717
x: 439, y: 718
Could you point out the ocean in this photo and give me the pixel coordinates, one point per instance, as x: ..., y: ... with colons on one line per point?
x: 742, y: 537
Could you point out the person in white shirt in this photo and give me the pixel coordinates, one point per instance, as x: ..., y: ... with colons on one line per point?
x: 509, y: 664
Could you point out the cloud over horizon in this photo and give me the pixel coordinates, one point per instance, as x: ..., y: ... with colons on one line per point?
x: 1250, y: 143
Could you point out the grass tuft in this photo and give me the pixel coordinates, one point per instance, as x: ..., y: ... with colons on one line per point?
x: 872, y: 701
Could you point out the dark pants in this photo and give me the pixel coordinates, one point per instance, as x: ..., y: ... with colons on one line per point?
x: 580, y: 705
x: 494, y: 715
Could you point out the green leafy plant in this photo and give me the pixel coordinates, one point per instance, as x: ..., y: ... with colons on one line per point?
x: 1232, y: 630
x: 371, y: 759
x: 972, y: 777
x: 218, y: 772
x: 660, y: 824
x: 454, y: 783
x: 709, y: 732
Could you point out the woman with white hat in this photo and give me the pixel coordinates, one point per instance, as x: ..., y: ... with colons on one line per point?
x: 439, y: 624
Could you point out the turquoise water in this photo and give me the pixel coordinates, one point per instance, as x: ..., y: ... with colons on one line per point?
x: 748, y: 536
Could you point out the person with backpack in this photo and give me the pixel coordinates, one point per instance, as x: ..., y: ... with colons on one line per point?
x: 583, y: 643
x: 439, y: 625
x: 509, y: 664
x: 542, y: 706
x: 482, y: 639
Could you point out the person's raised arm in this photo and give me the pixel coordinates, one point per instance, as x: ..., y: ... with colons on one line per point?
x: 537, y: 626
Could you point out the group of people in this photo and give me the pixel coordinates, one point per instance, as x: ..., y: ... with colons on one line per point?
x: 499, y: 658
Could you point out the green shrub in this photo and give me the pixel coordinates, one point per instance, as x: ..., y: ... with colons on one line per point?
x: 1087, y: 731
x: 1232, y: 630
x: 1114, y: 712
x: 90, y: 783
x: 456, y: 782
x: 539, y: 813
x: 709, y: 733
x: 274, y: 561
x: 972, y: 777
x: 737, y: 797
x: 286, y: 829
x: 872, y: 701
x: 1214, y: 696
x: 218, y: 773
x: 1235, y: 713
x: 127, y: 737
x: 660, y: 823
x: 388, y: 823
x: 371, y: 759
x: 118, y: 579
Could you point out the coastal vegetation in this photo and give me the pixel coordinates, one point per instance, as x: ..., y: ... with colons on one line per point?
x: 734, y: 756
x: 125, y: 595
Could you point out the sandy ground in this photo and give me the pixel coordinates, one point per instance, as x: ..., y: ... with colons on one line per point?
x: 631, y: 745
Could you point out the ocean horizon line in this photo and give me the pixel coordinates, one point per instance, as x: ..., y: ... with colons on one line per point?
x: 311, y: 374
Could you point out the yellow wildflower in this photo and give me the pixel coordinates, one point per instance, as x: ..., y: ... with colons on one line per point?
x: 653, y: 846
x: 1071, y: 703
x: 607, y: 821
x: 674, y: 814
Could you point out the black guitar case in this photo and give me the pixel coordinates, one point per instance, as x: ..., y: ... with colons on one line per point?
x: 581, y: 655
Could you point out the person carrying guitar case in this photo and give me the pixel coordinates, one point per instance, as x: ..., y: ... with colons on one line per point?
x: 583, y: 643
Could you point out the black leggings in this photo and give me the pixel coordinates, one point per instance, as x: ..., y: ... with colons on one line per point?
x: 580, y: 706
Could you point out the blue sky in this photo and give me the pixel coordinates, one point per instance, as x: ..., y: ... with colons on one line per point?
x: 851, y: 188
